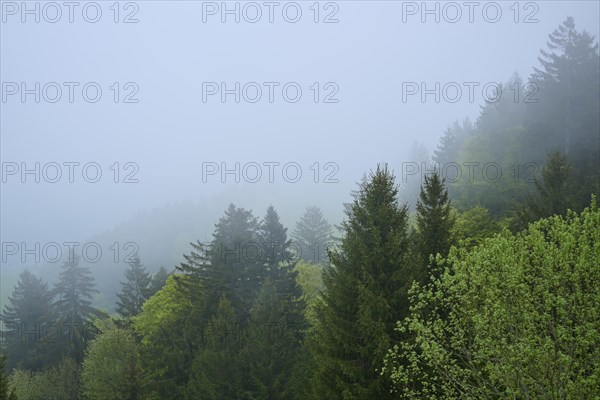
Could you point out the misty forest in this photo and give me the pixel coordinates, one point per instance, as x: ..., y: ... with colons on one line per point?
x: 431, y: 288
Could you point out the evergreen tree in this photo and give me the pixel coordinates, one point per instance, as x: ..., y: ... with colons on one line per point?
x: 282, y: 273
x: 366, y: 292
x: 135, y: 289
x: 555, y: 192
x: 231, y: 267
x: 74, y: 292
x: 158, y: 281
x: 236, y: 267
x: 434, y: 225
x: 448, y: 149
x: 216, y: 372
x: 28, y: 319
x: 273, y: 348
x: 313, y: 235
x: 567, y: 117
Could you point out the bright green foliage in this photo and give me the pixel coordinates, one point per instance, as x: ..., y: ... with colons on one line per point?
x: 474, y: 226
x: 135, y: 289
x: 111, y: 368
x: 4, y: 389
x: 57, y: 383
x: 28, y: 320
x: 160, y: 326
x: 520, y: 318
x: 310, y: 280
x: 366, y: 292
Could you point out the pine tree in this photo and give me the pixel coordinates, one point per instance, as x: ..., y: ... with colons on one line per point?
x: 135, y: 289
x: 30, y: 322
x: 313, y: 235
x: 434, y: 226
x: 75, y: 290
x: 366, y: 293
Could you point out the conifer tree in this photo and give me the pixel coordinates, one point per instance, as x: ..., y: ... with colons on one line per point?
x: 555, y: 192
x: 313, y: 235
x: 365, y: 293
x: 74, y: 291
x: 28, y: 319
x: 434, y: 225
x: 158, y: 281
x: 135, y: 289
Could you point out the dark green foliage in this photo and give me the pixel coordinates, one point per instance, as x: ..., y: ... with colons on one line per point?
x: 225, y: 284
x: 74, y: 292
x: 435, y: 224
x: 556, y: 192
x: 366, y: 292
x: 313, y: 235
x: 30, y: 325
x: 158, y: 281
x: 135, y: 289
x: 217, y: 372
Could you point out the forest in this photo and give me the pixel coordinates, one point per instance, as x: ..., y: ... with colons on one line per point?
x: 482, y: 288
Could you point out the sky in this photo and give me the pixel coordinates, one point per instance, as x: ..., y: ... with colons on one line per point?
x: 295, y: 100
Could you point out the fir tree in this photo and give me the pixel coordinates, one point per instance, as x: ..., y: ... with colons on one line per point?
x: 158, y: 281
x: 273, y: 348
x: 555, y: 192
x: 135, y: 289
x: 216, y: 372
x: 366, y: 293
x: 434, y: 225
x: 28, y: 319
x: 313, y: 235
x: 74, y: 292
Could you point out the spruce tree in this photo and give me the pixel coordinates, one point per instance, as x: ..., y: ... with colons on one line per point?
x: 313, y: 235
x: 365, y: 294
x: 281, y: 270
x: 135, y: 289
x: 75, y: 290
x: 555, y: 193
x: 434, y: 225
x: 272, y: 349
x: 231, y: 267
x: 216, y: 372
x: 30, y: 321
x: 158, y: 281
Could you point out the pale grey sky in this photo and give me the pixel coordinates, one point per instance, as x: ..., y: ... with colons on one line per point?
x: 362, y: 61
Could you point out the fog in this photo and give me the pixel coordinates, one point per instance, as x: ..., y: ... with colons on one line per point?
x: 162, y: 146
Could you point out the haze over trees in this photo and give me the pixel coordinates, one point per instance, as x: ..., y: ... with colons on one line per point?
x: 438, y: 289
